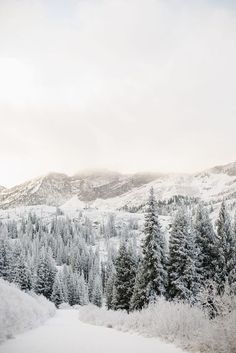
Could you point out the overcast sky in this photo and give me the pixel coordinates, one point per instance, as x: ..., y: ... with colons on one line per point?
x: 128, y: 85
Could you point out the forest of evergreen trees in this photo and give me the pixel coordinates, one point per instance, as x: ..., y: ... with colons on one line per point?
x: 61, y: 261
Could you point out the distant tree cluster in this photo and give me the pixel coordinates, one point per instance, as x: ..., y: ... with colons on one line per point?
x: 58, y: 260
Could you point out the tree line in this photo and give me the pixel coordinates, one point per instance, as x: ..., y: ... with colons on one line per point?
x: 60, y: 260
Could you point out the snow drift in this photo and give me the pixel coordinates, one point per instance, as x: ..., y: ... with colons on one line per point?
x: 20, y: 311
x: 186, y: 326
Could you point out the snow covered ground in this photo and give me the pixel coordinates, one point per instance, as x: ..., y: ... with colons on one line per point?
x: 66, y: 333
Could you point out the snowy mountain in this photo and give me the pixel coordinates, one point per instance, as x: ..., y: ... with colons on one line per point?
x: 53, y: 189
x: 56, y: 189
x: 105, y: 189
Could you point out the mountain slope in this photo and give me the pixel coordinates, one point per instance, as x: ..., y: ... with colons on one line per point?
x: 53, y: 189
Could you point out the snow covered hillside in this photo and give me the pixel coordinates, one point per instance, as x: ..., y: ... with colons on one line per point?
x: 20, y: 312
x: 111, y: 190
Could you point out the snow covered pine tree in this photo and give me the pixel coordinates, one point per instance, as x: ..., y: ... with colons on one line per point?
x: 151, y: 277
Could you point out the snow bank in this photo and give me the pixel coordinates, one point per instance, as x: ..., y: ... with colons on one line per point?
x: 20, y: 311
x: 179, y: 323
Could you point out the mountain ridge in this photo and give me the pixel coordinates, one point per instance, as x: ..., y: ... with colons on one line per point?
x: 97, y: 186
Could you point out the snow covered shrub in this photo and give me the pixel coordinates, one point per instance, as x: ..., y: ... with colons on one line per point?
x: 20, y: 311
x: 222, y: 336
x: 102, y: 317
x: 214, y: 304
x: 66, y: 306
x: 168, y: 320
x: 186, y: 326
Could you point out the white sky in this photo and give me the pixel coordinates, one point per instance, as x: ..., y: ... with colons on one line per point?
x: 129, y: 85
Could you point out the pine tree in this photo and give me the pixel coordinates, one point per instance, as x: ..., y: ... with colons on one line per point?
x: 97, y: 291
x: 232, y: 275
x: 57, y: 296
x: 23, y: 273
x: 181, y: 268
x: 153, y: 262
x: 75, y: 290
x: 82, y: 290
x: 70, y: 285
x: 5, y: 258
x: 152, y: 269
x: 139, y: 299
x: 205, y: 241
x: 125, y: 268
x: 64, y: 283
x: 46, y: 272
x: 109, y: 290
x: 109, y: 280
x: 114, y: 297
x: 90, y: 285
x: 225, y: 269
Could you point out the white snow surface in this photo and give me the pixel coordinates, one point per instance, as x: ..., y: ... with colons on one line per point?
x: 20, y: 312
x: 66, y: 333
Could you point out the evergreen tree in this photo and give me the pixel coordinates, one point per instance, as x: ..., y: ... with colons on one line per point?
x: 181, y: 268
x: 82, y: 290
x: 22, y: 273
x: 70, y: 285
x: 97, y: 291
x: 90, y: 285
x: 46, y: 272
x: 109, y: 290
x: 205, y: 241
x: 109, y: 279
x: 232, y: 275
x: 57, y: 296
x: 5, y: 258
x: 125, y: 267
x: 139, y: 299
x: 75, y: 290
x: 152, y: 275
x: 64, y: 283
x: 225, y: 268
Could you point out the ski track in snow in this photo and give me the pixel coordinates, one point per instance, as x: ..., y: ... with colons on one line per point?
x: 65, y: 333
